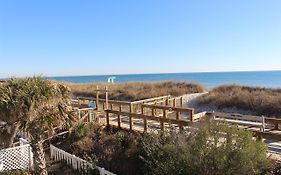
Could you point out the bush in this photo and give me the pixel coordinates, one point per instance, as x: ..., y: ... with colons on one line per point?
x: 81, y: 131
x: 214, y: 148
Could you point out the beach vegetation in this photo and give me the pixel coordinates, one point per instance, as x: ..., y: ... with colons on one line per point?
x: 36, y: 106
x: 256, y: 100
x: 213, y: 148
x: 132, y: 91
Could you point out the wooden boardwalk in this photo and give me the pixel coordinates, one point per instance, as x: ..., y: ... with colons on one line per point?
x: 163, y: 112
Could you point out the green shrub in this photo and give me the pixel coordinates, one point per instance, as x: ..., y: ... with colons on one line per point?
x: 81, y: 131
x: 215, y: 148
x: 122, y: 138
x: 212, y: 148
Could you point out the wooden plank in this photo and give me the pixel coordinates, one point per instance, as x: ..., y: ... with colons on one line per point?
x: 104, y: 100
x: 267, y: 135
x: 199, y: 116
x: 274, y: 121
x: 154, y: 118
x: 169, y: 108
x: 151, y: 99
x: 85, y: 109
x: 239, y: 117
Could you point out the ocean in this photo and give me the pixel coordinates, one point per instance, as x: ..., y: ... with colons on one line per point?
x: 208, y: 79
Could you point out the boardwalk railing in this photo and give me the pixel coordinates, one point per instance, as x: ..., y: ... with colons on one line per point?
x: 163, y: 110
x: 76, y: 162
x: 86, y: 114
x: 251, y: 121
x: 154, y: 113
x: 263, y: 122
x: 135, y: 106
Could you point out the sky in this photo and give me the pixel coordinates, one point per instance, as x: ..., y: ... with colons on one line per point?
x: 89, y: 37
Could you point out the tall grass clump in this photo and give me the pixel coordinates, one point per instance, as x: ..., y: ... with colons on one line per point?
x: 259, y: 101
x: 133, y: 91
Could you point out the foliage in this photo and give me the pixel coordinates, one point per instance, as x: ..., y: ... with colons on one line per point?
x: 214, y: 148
x: 259, y: 101
x: 36, y: 106
x: 81, y: 131
x: 122, y: 138
x: 136, y: 90
x: 113, y: 149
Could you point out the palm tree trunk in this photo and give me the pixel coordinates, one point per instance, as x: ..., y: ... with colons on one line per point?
x: 14, y: 130
x: 39, y: 159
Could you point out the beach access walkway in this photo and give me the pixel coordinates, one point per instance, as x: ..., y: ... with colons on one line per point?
x: 169, y: 112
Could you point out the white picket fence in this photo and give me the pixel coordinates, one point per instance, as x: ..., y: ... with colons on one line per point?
x: 16, y: 158
x: 76, y: 162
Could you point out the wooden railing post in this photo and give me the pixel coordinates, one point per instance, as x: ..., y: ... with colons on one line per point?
x: 97, y: 98
x: 107, y: 118
x: 263, y: 124
x: 161, y: 122
x: 177, y: 115
x: 181, y: 101
x: 178, y: 118
x: 118, y: 116
x: 106, y: 97
x: 276, y: 126
x: 167, y: 102
x: 130, y: 117
x: 191, y: 115
x: 144, y: 120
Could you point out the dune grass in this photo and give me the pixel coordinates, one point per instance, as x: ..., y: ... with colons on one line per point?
x: 136, y: 90
x: 260, y: 101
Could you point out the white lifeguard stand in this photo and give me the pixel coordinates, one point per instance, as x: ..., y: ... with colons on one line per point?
x: 111, y: 79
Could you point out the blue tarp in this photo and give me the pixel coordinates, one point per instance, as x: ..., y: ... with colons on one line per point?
x: 92, y: 105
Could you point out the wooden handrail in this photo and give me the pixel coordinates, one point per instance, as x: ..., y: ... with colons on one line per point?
x: 85, y: 109
x: 148, y: 117
x: 151, y: 99
x: 179, y: 109
x: 103, y: 100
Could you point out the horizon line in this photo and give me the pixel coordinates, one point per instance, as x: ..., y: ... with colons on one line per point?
x: 56, y: 76
x: 88, y: 75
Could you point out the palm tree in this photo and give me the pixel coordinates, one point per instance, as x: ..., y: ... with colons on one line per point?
x: 12, y: 109
x: 36, y: 106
